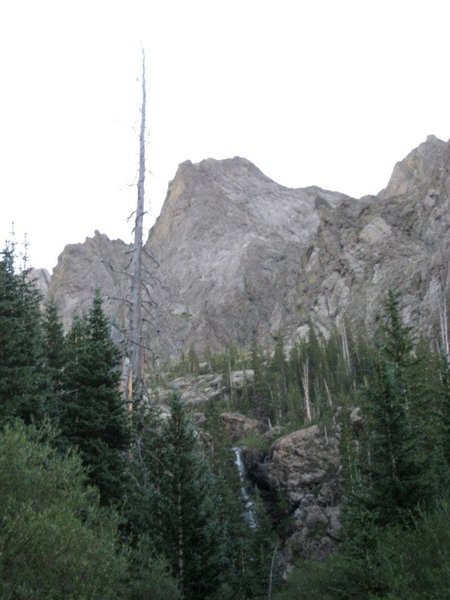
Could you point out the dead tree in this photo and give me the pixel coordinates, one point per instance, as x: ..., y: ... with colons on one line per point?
x: 134, y: 368
x: 305, y: 382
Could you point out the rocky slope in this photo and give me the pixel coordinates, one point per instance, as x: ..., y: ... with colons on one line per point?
x: 298, y: 475
x: 235, y: 256
x: 302, y: 472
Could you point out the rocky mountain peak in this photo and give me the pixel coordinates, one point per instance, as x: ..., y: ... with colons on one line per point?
x: 229, y: 193
x: 97, y: 263
x: 235, y: 257
x: 424, y: 165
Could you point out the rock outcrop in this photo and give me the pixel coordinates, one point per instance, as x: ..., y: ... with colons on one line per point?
x: 237, y: 426
x: 97, y: 264
x: 301, y: 472
x: 202, y: 388
x: 235, y: 257
x: 40, y: 279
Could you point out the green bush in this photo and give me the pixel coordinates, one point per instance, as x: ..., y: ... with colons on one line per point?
x: 150, y: 577
x: 55, y: 540
x: 415, y: 564
x: 411, y: 564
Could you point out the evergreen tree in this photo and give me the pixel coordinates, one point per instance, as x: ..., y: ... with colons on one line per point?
x: 279, y: 378
x: 21, y: 382
x: 149, y: 575
x: 398, y: 466
x: 93, y: 417
x: 445, y: 408
x: 253, y: 540
x: 55, y: 357
x: 261, y: 394
x: 179, y: 503
x: 55, y: 540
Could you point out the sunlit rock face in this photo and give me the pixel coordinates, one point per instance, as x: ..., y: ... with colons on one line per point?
x: 96, y: 264
x: 235, y: 257
x: 398, y: 239
x: 228, y: 244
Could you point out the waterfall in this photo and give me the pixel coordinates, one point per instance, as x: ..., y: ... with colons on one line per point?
x: 249, y: 505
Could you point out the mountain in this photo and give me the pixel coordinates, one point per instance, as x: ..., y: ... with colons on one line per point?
x: 235, y: 257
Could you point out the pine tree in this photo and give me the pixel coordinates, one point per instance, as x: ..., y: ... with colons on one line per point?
x: 397, y: 468
x: 93, y: 417
x: 279, y: 377
x: 262, y: 392
x: 445, y: 408
x: 55, y: 356
x: 250, y: 553
x: 21, y: 381
x: 180, y: 505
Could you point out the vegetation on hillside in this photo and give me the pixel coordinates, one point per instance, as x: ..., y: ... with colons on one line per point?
x: 96, y: 503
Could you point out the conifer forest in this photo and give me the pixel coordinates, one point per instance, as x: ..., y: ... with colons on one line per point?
x: 101, y: 502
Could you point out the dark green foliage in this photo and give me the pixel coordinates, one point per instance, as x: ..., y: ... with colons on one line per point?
x: 445, y: 408
x: 149, y: 575
x: 174, y: 501
x: 54, y: 358
x: 317, y: 580
x: 185, y: 534
x: 252, y: 548
x: 398, y: 465
x: 53, y: 338
x: 304, y: 387
x: 230, y: 510
x: 93, y: 417
x: 55, y: 540
x: 21, y: 381
x: 415, y: 564
x: 261, y: 400
x: 396, y: 473
x: 403, y: 564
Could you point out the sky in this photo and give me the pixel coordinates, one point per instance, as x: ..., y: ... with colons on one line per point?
x: 314, y: 92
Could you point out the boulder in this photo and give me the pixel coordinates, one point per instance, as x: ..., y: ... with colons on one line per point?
x: 301, y: 473
x: 302, y: 461
x: 237, y: 426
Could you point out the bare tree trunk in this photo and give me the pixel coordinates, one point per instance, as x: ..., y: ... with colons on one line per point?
x: 444, y: 323
x: 327, y: 389
x: 345, y: 350
x: 305, y: 381
x: 136, y: 368
x: 272, y: 565
x: 180, y: 537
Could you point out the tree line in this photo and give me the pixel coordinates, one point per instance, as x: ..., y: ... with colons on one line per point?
x: 396, y: 469
x: 97, y: 502
x: 395, y: 455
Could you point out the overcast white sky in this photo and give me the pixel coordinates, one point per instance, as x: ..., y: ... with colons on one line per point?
x: 314, y: 92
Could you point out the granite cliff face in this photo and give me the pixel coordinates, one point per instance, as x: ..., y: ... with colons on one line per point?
x: 228, y: 243
x: 398, y: 239
x: 303, y: 468
x: 97, y: 264
x: 235, y: 256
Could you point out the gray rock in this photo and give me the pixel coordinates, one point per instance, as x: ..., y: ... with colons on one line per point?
x: 97, y: 264
x: 302, y: 461
x: 41, y: 280
x: 238, y: 426
x: 303, y: 468
x: 235, y: 257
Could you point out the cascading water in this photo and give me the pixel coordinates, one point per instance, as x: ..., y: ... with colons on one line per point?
x: 249, y: 505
